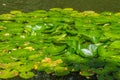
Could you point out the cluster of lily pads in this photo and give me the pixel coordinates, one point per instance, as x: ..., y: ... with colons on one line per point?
x: 59, y: 42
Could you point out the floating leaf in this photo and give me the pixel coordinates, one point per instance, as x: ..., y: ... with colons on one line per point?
x: 26, y: 75
x: 86, y: 73
x: 61, y: 71
x: 8, y: 74
x: 115, y: 44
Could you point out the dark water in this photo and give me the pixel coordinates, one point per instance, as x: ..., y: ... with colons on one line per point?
x: 81, y: 5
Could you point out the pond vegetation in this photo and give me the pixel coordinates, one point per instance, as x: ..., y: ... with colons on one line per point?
x: 59, y: 42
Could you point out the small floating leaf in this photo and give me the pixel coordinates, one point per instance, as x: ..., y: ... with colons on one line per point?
x: 27, y: 75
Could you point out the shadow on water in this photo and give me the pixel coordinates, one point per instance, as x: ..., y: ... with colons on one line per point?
x: 81, y: 5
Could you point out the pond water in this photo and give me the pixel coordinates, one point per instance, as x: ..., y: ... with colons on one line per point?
x: 81, y: 5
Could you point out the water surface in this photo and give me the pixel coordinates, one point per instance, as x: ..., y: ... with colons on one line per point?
x: 81, y: 5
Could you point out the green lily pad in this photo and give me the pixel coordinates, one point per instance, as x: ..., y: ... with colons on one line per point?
x: 8, y: 74
x: 115, y: 44
x: 61, y: 71
x: 26, y: 75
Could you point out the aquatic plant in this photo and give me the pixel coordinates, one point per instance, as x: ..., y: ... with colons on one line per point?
x: 59, y: 42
